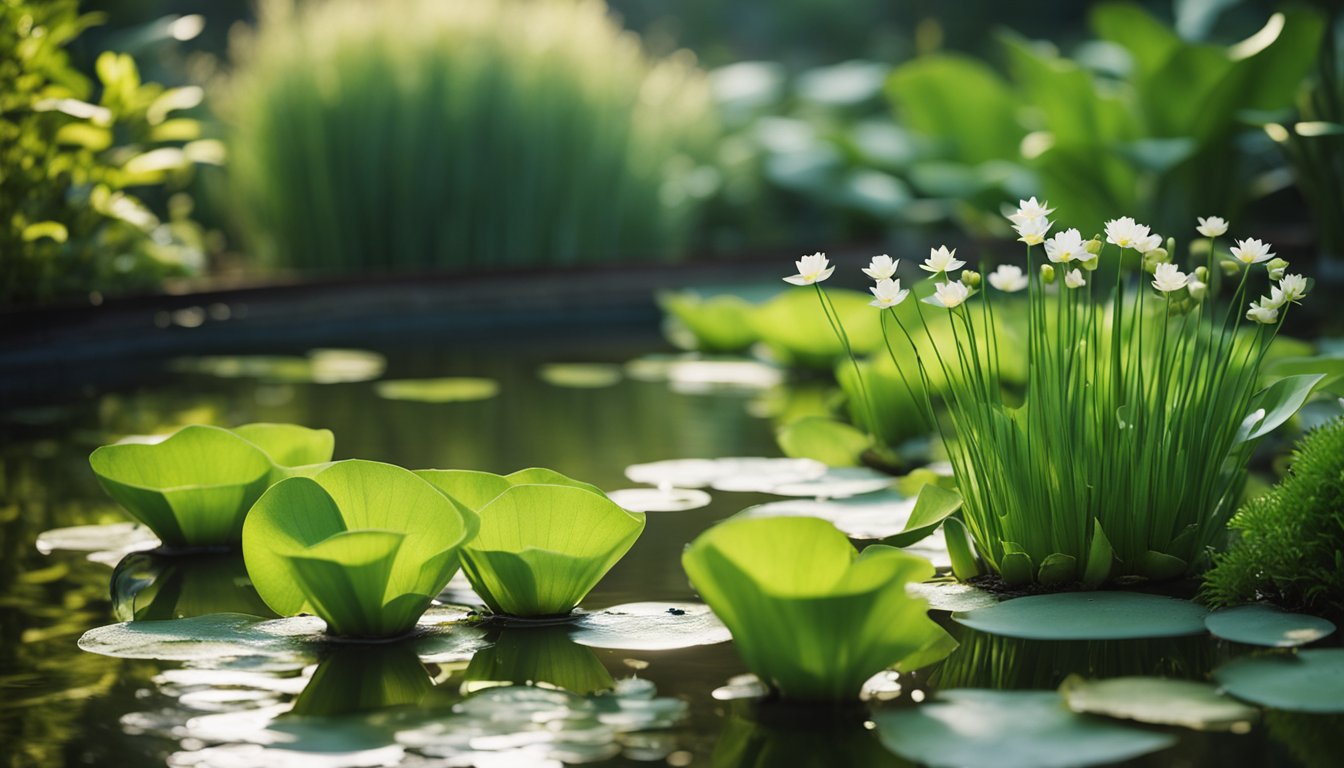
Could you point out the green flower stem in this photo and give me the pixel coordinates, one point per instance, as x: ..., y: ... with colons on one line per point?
x: 833, y: 317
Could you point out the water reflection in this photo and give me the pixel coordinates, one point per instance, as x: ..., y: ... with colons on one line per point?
x: 543, y: 654
x: 149, y: 586
x: 364, y: 678
x: 761, y: 736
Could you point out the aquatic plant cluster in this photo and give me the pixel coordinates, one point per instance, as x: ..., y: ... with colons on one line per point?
x: 1128, y: 454
x: 364, y: 545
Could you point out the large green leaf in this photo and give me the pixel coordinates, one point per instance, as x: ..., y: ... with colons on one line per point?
x: 961, y: 102
x: 289, y: 445
x: 720, y: 324
x: 810, y: 615
x: 833, y: 443
x: 794, y: 326
x: 541, y: 547
x: 1275, y: 404
x: 193, y: 489
x: 475, y: 489
x: 933, y: 505
x: 366, y: 546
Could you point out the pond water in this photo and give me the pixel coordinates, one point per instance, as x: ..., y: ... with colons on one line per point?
x: 423, y: 705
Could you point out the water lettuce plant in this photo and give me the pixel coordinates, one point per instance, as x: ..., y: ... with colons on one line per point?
x: 1141, y: 409
x: 363, y: 545
x: 195, y: 488
x: 545, y: 540
x: 1285, y: 544
x: 810, y: 615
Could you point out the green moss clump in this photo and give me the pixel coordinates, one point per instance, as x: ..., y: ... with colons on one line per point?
x: 1288, y: 544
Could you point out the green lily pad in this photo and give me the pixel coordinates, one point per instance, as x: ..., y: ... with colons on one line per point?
x: 1088, y: 616
x: 719, y: 324
x: 870, y: 516
x: 1268, y: 626
x: 1009, y: 729
x: 320, y: 366
x: 951, y: 595
x: 650, y: 627
x: 581, y: 375
x: 1160, y: 701
x: 1304, y: 681
x: 810, y: 615
x: 701, y: 473
x: 695, y: 375
x: 193, y: 489
x: 447, y: 390
x: 660, y: 499
x: 541, y: 547
x: 837, y: 483
x: 364, y: 545
x: 833, y: 443
x: 210, y: 638
x: 120, y: 538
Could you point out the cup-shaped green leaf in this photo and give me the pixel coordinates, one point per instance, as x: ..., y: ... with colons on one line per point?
x: 365, y: 546
x: 811, y: 616
x: 289, y: 445
x: 193, y: 489
x: 545, y: 540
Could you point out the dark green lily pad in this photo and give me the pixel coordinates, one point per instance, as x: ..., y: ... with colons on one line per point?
x: 1268, y: 626
x: 1160, y: 701
x: 1305, y: 681
x: 448, y: 390
x: 1009, y: 729
x: 581, y: 375
x: 1088, y: 616
x: 660, y: 499
x: 650, y: 627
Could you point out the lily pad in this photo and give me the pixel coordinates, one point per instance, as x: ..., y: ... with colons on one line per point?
x: 660, y: 499
x: 320, y: 366
x: 833, y: 443
x: 122, y: 538
x: 650, y: 627
x: 446, y: 390
x: 1305, y: 681
x: 1009, y: 729
x: 870, y: 516
x: 581, y: 375
x: 211, y: 638
x: 1088, y: 616
x: 700, y: 473
x: 1160, y: 701
x: 718, y: 324
x: 951, y: 595
x: 837, y: 483
x: 1268, y: 626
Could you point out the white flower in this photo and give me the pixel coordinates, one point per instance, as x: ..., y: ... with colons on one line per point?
x: 1294, y: 287
x: 1198, y: 288
x: 1168, y: 277
x: 1264, y: 312
x: 1030, y: 209
x: 1066, y: 246
x: 1147, y: 244
x: 811, y: 269
x: 881, y: 267
x: 1124, y: 232
x: 1213, y: 226
x: 1075, y: 279
x: 1251, y: 251
x: 1008, y: 278
x: 942, y: 260
x: 1275, y: 299
x: 1032, y: 231
x: 949, y: 294
x: 887, y: 293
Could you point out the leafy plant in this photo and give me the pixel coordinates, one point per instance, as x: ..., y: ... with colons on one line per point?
x: 544, y: 541
x: 1286, y: 544
x: 462, y: 134
x: 811, y: 616
x: 718, y: 324
x: 364, y: 545
x: 194, y: 488
x: 1155, y: 133
x: 1166, y: 377
x: 72, y: 219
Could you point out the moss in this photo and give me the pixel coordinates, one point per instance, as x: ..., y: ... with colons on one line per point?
x: 1288, y: 545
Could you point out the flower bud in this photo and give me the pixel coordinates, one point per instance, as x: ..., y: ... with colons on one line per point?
x: 1202, y: 273
x: 1047, y: 274
x: 1276, y: 268
x: 1230, y: 267
x: 970, y: 278
x: 1159, y: 255
x: 1093, y: 246
x: 1197, y: 288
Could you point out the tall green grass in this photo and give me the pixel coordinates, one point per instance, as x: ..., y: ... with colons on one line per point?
x: 411, y: 134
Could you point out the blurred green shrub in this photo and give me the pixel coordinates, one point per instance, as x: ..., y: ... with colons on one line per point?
x: 1141, y: 120
x: 413, y: 134
x: 72, y: 172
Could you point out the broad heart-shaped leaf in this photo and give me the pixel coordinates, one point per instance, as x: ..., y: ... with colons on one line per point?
x: 289, y: 445
x: 811, y: 616
x: 542, y: 548
x: 1280, y: 401
x: 193, y: 489
x: 363, y: 545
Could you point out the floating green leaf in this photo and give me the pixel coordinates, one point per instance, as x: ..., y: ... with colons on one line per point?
x: 719, y: 324
x: 810, y: 615
x: 1009, y: 729
x: 951, y: 595
x: 192, y: 490
x: 660, y: 499
x: 545, y: 540
x: 366, y: 546
x: 447, y: 390
x: 581, y: 375
x: 833, y: 443
x: 699, y: 473
x: 1088, y: 616
x: 870, y: 516
x: 1159, y: 701
x: 1305, y: 681
x: 216, y: 636
x: 650, y: 627
x: 1266, y: 625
